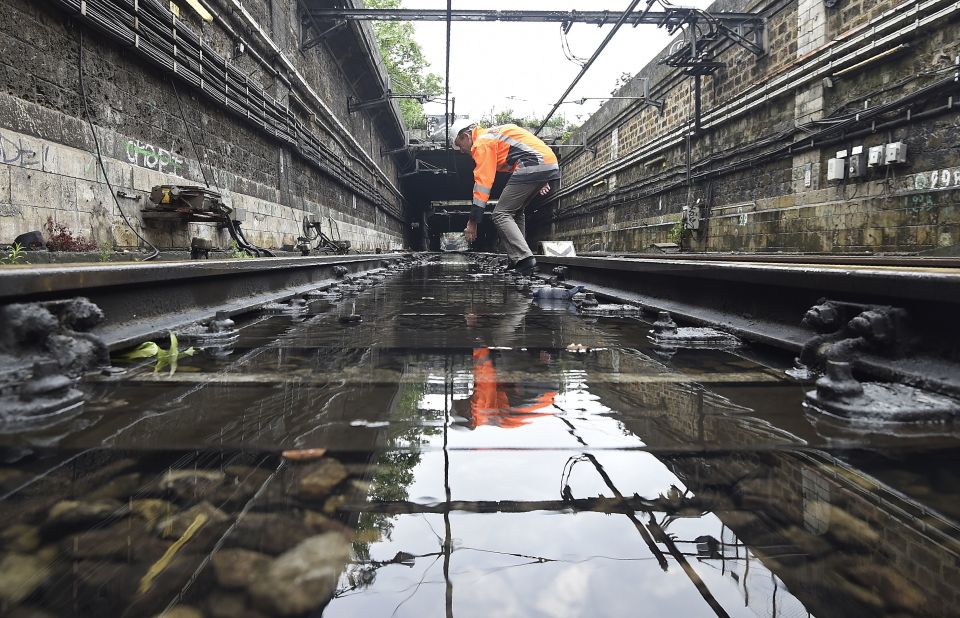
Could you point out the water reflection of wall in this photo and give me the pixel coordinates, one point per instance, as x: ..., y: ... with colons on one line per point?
x: 844, y: 543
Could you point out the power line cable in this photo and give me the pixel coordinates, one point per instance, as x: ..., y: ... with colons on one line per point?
x: 96, y: 143
x: 196, y: 151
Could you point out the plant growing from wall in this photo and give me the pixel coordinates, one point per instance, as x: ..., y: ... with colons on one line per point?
x: 14, y: 255
x: 677, y: 233
x: 105, y: 249
x: 61, y: 238
x: 406, y: 64
x: 237, y: 253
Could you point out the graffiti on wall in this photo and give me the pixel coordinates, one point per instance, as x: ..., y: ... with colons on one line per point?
x: 152, y: 157
x: 937, y: 179
x: 16, y: 153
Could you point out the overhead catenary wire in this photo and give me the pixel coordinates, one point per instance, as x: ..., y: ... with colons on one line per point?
x: 891, y: 27
x: 446, y: 79
x: 586, y: 67
x: 96, y: 142
x: 565, y: 47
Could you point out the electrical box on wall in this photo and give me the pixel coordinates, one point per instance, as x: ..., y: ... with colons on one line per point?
x: 857, y: 163
x: 857, y: 166
x: 896, y: 153
x: 836, y: 169
x: 876, y: 156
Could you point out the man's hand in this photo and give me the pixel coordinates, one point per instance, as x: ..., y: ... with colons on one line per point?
x: 471, y: 231
x: 545, y: 189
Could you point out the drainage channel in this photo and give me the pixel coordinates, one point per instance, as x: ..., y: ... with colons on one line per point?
x: 432, y: 441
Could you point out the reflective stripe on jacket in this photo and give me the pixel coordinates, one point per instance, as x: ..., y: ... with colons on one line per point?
x: 509, y: 148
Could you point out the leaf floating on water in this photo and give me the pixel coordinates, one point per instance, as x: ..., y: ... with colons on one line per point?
x: 149, y: 349
x: 306, y: 454
x: 146, y: 349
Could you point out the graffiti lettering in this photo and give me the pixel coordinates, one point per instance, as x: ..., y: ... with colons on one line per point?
x: 152, y: 157
x: 937, y: 179
x: 15, y: 153
x: 919, y: 202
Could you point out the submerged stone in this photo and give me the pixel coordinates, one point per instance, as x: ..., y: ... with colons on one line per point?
x: 127, y: 540
x: 152, y: 510
x: 117, y: 488
x: 849, y: 530
x: 22, y: 538
x: 270, y: 533
x: 192, y: 484
x: 182, y: 611
x: 317, y: 480
x: 238, y: 568
x: 304, y: 578
x: 83, y: 513
x: 20, y: 575
x: 175, y: 525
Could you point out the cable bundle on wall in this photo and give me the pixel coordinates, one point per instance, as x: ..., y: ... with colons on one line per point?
x: 158, y: 36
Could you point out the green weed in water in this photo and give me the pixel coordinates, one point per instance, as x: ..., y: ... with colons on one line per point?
x: 169, y: 357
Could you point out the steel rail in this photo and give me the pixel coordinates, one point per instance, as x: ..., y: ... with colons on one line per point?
x: 851, y: 261
x: 525, y: 16
x: 146, y: 299
x: 765, y: 302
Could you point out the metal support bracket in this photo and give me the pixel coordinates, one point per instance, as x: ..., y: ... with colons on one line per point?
x: 392, y: 151
x: 317, y: 39
x: 355, y: 105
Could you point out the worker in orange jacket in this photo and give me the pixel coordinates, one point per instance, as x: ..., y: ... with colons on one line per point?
x: 534, y: 170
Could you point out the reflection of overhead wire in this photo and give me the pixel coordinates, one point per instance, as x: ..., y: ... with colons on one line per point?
x: 565, y: 492
x: 416, y: 588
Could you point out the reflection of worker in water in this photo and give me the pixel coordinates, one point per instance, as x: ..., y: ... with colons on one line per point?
x: 490, y: 404
x: 534, y: 170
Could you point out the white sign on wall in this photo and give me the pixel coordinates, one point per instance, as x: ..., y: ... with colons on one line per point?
x: 558, y: 248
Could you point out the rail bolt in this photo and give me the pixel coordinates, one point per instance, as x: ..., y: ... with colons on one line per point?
x: 664, y: 324
x: 838, y: 383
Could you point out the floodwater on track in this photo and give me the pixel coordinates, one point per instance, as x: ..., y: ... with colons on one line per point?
x: 464, y: 451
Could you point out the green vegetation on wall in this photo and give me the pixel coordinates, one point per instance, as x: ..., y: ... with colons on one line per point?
x: 405, y: 62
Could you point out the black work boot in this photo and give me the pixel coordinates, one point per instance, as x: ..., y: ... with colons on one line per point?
x: 527, y: 266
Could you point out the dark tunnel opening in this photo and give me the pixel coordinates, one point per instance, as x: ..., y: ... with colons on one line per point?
x: 439, y: 200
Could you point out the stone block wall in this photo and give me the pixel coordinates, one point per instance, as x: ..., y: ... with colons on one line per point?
x: 756, y: 169
x: 149, y: 136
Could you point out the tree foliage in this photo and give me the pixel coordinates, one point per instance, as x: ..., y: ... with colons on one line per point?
x: 506, y: 116
x: 405, y: 63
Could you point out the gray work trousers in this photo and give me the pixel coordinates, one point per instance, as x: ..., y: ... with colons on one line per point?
x: 509, y: 218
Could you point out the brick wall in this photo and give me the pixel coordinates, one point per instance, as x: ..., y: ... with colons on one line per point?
x: 758, y: 165
x: 49, y: 169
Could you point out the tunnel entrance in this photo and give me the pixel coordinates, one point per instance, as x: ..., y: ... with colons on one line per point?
x: 439, y: 194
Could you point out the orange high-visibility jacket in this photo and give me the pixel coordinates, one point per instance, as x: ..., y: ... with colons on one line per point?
x: 508, y: 148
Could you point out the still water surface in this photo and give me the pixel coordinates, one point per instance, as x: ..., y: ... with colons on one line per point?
x: 475, y: 466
